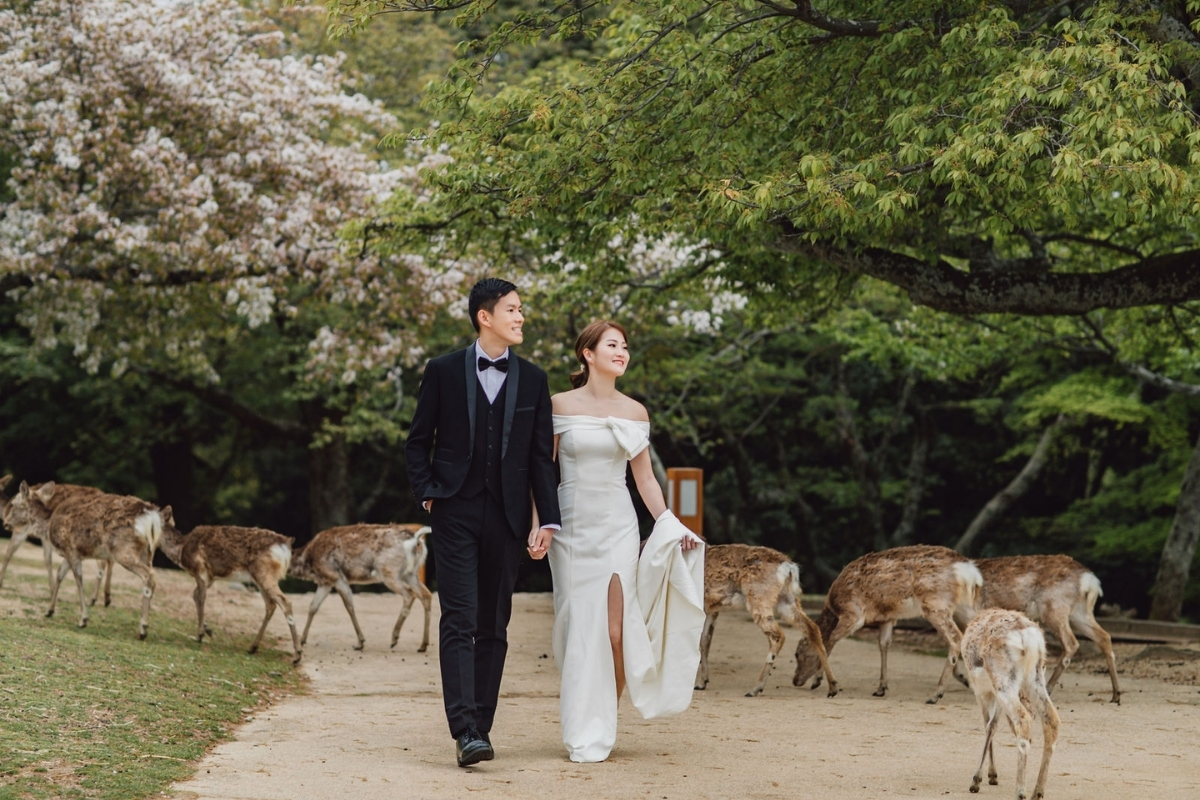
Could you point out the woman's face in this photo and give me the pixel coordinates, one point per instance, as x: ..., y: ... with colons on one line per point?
x: 611, y: 354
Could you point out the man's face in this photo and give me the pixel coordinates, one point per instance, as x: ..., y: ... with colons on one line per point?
x: 505, y: 320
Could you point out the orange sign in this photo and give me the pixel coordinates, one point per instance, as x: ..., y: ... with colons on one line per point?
x: 685, y: 496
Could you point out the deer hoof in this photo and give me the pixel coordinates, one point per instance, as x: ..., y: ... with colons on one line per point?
x: 993, y: 781
x: 253, y: 649
x: 107, y: 601
x: 83, y: 624
x: 296, y: 659
x: 142, y: 636
x: 50, y: 613
x: 880, y: 692
x: 753, y: 693
x: 700, y: 687
x: 423, y: 648
x: 832, y: 692
x: 360, y: 645
x: 974, y: 788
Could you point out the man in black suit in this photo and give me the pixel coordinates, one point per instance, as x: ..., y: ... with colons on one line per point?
x: 480, y: 460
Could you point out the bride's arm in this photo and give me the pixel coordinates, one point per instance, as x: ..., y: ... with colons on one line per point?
x: 651, y: 492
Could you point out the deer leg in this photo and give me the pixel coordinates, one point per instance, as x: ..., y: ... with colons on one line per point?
x: 343, y: 590
x: 16, y: 541
x: 813, y: 634
x: 318, y: 598
x: 1058, y: 623
x: 48, y: 558
x: 76, y: 565
x: 990, y: 717
x: 100, y: 573
x: 200, y: 592
x: 1050, y: 724
x: 846, y: 625
x: 55, y: 583
x: 281, y: 600
x: 1090, y: 629
x: 270, y: 612
x: 770, y: 628
x: 1022, y: 725
x: 705, y: 641
x: 401, y: 588
x: 885, y: 640
x: 146, y: 573
x: 108, y: 582
x: 944, y: 624
x: 427, y: 602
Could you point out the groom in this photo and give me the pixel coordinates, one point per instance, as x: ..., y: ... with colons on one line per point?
x: 479, y: 450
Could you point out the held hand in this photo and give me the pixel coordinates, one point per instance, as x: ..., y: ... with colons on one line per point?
x: 539, y: 542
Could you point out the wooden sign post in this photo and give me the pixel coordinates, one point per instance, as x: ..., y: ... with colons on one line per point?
x: 685, y: 496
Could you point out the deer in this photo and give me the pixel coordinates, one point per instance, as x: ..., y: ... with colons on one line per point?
x: 881, y: 588
x: 62, y: 492
x: 102, y: 526
x: 209, y: 552
x: 766, y: 583
x: 1058, y: 592
x: 1005, y: 656
x: 357, y: 554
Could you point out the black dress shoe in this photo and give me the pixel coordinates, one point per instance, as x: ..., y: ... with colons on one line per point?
x: 491, y: 751
x: 471, y: 748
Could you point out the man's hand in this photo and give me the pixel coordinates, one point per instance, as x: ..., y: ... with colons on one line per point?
x: 539, y: 542
x: 428, y: 506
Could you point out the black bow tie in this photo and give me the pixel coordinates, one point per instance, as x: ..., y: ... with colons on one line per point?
x: 500, y: 363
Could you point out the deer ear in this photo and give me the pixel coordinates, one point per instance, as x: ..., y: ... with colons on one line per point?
x: 23, y: 489
x: 167, y: 515
x: 4, y: 481
x: 45, y: 491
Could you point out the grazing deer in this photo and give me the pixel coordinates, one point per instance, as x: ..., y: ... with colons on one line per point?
x: 387, y: 554
x: 881, y: 588
x: 764, y: 582
x: 1056, y: 591
x: 62, y: 492
x: 224, y: 551
x: 102, y: 526
x: 1005, y: 656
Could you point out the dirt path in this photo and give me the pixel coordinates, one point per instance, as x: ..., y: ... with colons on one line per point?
x: 372, y: 725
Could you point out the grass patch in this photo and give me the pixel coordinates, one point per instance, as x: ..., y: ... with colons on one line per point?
x: 95, y: 713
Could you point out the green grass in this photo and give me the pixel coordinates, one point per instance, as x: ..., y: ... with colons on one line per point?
x: 95, y: 713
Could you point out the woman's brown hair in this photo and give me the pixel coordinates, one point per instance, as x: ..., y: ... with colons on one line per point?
x: 589, y: 337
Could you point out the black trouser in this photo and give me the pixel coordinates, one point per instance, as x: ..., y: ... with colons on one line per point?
x: 477, y: 560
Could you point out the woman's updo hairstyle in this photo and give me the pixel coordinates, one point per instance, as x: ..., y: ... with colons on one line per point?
x: 589, y: 337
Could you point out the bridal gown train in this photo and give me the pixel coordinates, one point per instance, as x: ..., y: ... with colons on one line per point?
x: 663, y: 589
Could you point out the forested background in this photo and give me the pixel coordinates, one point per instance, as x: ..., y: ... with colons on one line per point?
x: 893, y: 273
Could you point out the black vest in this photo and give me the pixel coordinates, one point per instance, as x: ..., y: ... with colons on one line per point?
x: 484, y: 472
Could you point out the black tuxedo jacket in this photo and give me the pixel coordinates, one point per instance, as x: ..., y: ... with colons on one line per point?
x: 441, y: 437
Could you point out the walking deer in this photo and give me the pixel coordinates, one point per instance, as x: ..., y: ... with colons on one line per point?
x: 387, y: 554
x: 209, y: 552
x: 62, y: 492
x: 1058, y: 592
x: 98, y: 525
x: 1005, y: 656
x: 881, y: 588
x: 766, y: 583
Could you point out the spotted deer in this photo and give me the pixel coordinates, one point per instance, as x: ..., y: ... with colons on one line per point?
x: 881, y: 588
x: 389, y: 554
x: 1058, y: 592
x: 101, y: 526
x: 209, y: 552
x: 62, y: 492
x: 1005, y: 657
x: 766, y: 583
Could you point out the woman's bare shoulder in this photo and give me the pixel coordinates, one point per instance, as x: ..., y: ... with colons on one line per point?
x: 632, y: 409
x: 564, y: 402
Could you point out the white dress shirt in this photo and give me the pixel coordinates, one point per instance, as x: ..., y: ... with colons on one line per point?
x: 490, y: 379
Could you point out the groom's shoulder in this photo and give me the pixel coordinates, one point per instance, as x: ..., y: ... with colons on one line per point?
x: 532, y: 368
x: 446, y: 359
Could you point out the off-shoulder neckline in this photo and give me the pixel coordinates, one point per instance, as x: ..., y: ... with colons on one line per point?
x: 602, y: 419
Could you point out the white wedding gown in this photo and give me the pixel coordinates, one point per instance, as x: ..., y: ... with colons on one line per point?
x: 663, y: 591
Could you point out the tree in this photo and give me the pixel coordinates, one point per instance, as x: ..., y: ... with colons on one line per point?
x: 175, y: 197
x: 1032, y: 158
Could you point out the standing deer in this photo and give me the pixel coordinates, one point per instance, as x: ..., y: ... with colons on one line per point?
x: 62, y: 493
x: 102, y: 526
x: 1056, y: 591
x: 764, y: 582
x: 1005, y: 655
x: 387, y: 554
x: 224, y: 551
x: 881, y: 588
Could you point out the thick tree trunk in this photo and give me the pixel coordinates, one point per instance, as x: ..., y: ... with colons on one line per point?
x: 1021, y: 484
x: 329, y: 484
x: 1176, y: 562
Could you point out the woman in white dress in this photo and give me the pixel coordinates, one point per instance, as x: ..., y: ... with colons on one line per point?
x: 619, y: 619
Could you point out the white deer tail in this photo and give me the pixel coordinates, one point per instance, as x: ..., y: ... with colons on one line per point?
x: 1089, y: 590
x: 788, y: 575
x: 149, y: 527
x: 970, y: 585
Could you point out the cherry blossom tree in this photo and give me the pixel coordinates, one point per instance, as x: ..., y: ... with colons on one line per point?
x: 178, y: 186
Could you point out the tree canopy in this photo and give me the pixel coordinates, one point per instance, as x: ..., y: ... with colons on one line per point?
x: 1025, y: 157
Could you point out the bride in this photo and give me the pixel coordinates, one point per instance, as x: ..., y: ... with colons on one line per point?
x: 620, y: 619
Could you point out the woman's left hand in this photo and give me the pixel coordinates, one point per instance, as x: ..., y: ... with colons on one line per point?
x: 690, y: 542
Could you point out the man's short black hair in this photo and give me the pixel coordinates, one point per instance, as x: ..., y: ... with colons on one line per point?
x: 485, y: 294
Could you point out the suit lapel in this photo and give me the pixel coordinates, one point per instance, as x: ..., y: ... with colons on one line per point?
x: 472, y: 384
x: 510, y: 399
